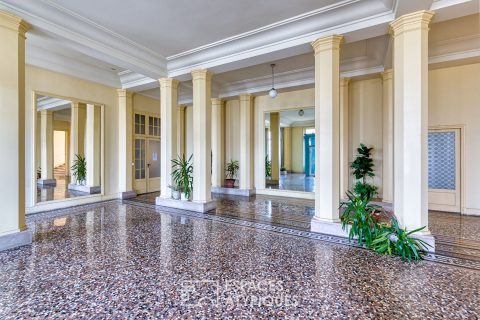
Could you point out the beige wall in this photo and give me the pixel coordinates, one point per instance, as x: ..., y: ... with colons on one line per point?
x: 188, y: 131
x: 49, y: 82
x: 58, y: 148
x: 146, y: 104
x: 365, y: 122
x: 454, y: 100
x: 297, y: 150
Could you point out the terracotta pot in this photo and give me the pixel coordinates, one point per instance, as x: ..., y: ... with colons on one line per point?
x: 229, y: 183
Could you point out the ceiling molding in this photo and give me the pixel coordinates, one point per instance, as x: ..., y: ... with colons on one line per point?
x: 98, y: 41
x: 47, y: 103
x: 356, y: 20
x: 136, y: 81
x: 51, y: 60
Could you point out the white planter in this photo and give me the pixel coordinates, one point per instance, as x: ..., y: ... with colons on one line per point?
x: 184, y: 197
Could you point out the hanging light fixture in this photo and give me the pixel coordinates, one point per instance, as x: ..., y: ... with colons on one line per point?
x: 273, y: 92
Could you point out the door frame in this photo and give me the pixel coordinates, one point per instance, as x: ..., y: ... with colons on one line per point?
x: 462, y: 129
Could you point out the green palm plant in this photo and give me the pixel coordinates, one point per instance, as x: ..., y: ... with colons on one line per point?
x: 182, y: 174
x: 268, y: 167
x: 231, y: 169
x: 362, y: 169
x: 79, y: 169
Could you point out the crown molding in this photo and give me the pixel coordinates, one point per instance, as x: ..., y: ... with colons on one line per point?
x: 95, y: 40
x: 136, y: 81
x: 356, y: 19
x: 47, y: 103
x: 54, y: 61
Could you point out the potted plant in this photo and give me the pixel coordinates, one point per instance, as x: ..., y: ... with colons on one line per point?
x: 175, y: 192
x: 283, y: 171
x: 182, y: 175
x: 79, y: 169
x: 268, y: 168
x: 362, y: 169
x: 231, y: 170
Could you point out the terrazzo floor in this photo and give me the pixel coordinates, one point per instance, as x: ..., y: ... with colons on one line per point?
x: 121, y: 261
x: 57, y: 192
x: 295, y: 182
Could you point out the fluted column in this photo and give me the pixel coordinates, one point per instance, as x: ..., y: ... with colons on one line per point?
x: 387, y: 134
x: 125, y: 144
x: 410, y: 80
x: 344, y: 165
x: 92, y: 145
x: 327, y: 127
x: 218, y: 136
x: 246, y: 142
x: 46, y: 148
x: 13, y: 230
x: 202, y: 135
x: 275, y: 144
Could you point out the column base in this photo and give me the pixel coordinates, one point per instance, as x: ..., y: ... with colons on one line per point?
x: 428, y: 238
x: 86, y: 189
x: 47, y: 182
x: 201, y: 207
x: 330, y: 227
x: 234, y: 191
x: 127, y: 195
x: 16, y: 239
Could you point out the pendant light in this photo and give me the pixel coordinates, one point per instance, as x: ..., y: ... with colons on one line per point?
x: 273, y: 92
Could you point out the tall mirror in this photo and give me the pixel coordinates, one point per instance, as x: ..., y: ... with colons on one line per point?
x: 290, y: 150
x: 68, y: 148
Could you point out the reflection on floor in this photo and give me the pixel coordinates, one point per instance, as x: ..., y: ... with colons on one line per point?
x: 58, y: 192
x: 295, y: 182
x: 456, y: 235
x: 113, y: 260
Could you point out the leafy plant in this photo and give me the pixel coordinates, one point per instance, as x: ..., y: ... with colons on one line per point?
x: 79, y: 169
x: 361, y: 218
x: 393, y: 240
x: 362, y: 169
x: 231, y: 169
x: 268, y: 167
x: 283, y: 169
x: 182, y: 174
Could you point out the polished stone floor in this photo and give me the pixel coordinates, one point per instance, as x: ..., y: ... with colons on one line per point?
x: 456, y: 235
x: 295, y: 182
x: 114, y: 260
x: 57, y: 192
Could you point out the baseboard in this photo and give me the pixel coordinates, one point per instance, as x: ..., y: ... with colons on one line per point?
x: 201, y: 207
x: 16, y: 239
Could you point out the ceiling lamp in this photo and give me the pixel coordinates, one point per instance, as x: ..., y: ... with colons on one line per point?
x: 272, y: 93
x: 301, y: 112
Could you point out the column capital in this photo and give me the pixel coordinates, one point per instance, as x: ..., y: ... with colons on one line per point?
x: 201, y: 74
x: 182, y: 107
x: 14, y: 23
x: 123, y: 93
x: 168, y: 82
x: 411, y: 21
x: 47, y: 112
x: 387, y: 74
x: 245, y: 96
x: 217, y: 102
x: 332, y: 42
x: 345, y: 81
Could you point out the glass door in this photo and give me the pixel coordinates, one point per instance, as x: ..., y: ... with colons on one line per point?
x: 140, y: 182
x: 153, y: 165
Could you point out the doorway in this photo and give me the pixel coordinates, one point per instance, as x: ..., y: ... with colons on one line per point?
x: 444, y: 170
x: 147, y: 165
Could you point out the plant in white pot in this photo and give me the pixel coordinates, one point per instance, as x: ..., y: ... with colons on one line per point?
x: 182, y: 175
x: 231, y: 170
x: 176, y: 192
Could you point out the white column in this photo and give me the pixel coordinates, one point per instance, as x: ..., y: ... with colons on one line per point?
x: 181, y: 131
x: 202, y: 135
x: 13, y: 231
x: 168, y: 142
x: 327, y: 128
x: 344, y: 165
x: 77, y: 132
x: 410, y: 65
x: 125, y: 144
x: 275, y: 138
x: 387, y: 172
x: 218, y: 134
x: 246, y: 142
x: 46, y: 147
x: 92, y: 145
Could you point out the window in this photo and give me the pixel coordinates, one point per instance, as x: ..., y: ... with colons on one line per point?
x: 154, y: 126
x: 139, y: 158
x: 310, y: 131
x: 139, y: 123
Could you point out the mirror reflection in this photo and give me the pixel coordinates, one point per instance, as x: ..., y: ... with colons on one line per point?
x: 290, y: 150
x: 68, y: 148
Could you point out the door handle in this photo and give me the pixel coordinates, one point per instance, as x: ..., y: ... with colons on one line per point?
x: 148, y: 165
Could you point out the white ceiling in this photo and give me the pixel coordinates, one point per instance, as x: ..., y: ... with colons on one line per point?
x: 171, y: 27
x: 131, y: 44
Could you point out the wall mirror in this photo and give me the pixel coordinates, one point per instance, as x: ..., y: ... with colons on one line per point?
x: 290, y: 150
x: 68, y: 148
